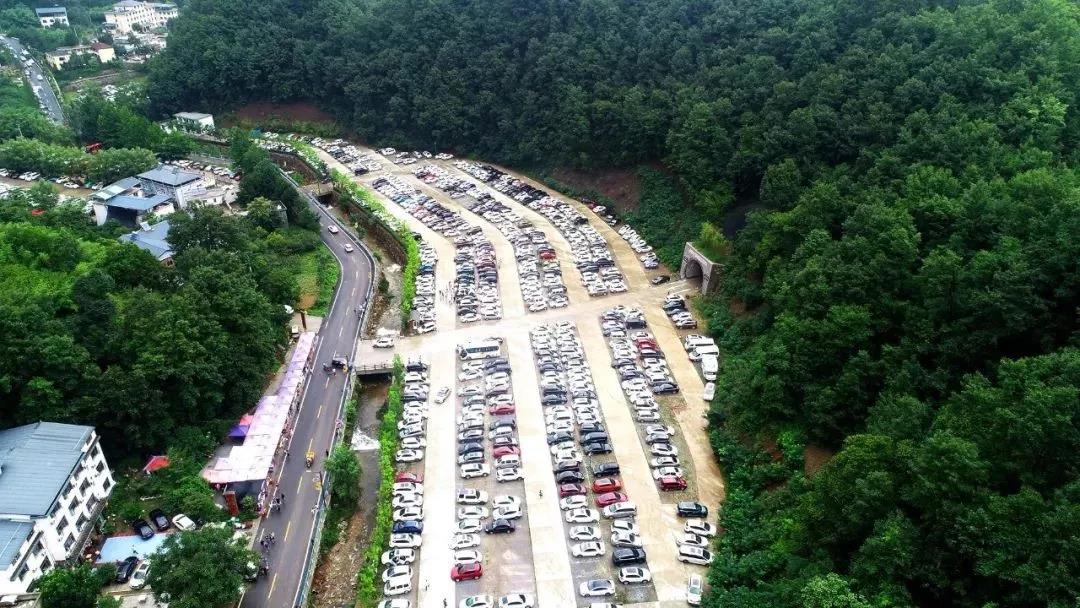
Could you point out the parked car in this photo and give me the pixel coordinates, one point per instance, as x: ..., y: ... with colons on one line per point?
x: 142, y: 528
x: 161, y: 522
x: 126, y: 568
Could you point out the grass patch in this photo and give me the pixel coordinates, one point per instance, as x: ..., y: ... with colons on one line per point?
x: 328, y: 272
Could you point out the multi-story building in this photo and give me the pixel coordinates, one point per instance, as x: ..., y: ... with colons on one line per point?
x: 54, y: 483
x: 49, y: 16
x: 129, y: 15
x: 177, y: 184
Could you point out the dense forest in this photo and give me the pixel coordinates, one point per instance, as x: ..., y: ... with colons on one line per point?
x: 905, y: 299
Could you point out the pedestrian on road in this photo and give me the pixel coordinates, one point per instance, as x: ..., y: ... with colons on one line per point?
x: 541, y: 492
x: 273, y: 539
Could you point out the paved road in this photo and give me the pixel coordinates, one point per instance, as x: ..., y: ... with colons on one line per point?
x: 41, y: 86
x: 293, y: 526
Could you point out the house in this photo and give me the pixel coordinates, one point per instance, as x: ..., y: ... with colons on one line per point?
x: 177, y: 184
x: 54, y: 484
x: 49, y: 16
x: 128, y: 15
x: 133, y: 210
x: 196, y: 120
x: 153, y: 239
x: 62, y: 55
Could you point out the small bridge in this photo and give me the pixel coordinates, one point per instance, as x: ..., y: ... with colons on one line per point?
x: 696, y: 266
x: 383, y: 368
x: 319, y: 189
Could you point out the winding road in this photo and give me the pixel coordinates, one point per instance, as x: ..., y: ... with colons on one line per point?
x: 44, y: 91
x: 294, y: 525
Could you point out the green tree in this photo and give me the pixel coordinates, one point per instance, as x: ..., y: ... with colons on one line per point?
x: 77, y: 587
x: 200, y: 569
x: 344, y: 469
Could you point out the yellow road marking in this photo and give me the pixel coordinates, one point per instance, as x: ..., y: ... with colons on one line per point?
x: 285, y: 538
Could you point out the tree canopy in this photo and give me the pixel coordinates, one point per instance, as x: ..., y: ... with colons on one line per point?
x: 200, y: 569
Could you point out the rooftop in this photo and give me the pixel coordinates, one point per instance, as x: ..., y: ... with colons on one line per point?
x: 170, y: 176
x: 192, y: 115
x: 155, y: 240
x: 117, y: 187
x: 35, y: 463
x: 45, y: 11
x: 137, y: 203
x: 12, y: 535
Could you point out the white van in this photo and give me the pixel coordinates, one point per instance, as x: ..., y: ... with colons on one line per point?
x: 709, y: 392
x: 620, y: 510
x: 710, y: 364
x: 398, y: 585
x: 697, y: 353
x: 695, y: 340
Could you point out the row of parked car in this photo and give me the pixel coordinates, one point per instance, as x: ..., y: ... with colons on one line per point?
x: 407, y: 495
x: 539, y: 274
x: 640, y: 246
x: 423, y: 313
x: 591, y: 254
x: 676, y: 309
x: 575, y: 427
x: 476, y: 290
x: 357, y: 160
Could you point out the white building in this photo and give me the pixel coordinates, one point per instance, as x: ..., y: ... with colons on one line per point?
x: 49, y: 16
x: 196, y: 120
x: 177, y: 184
x: 126, y: 15
x: 54, y: 483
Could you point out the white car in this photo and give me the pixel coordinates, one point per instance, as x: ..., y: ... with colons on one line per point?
x: 477, y: 601
x: 581, y: 516
x: 413, y: 443
x: 405, y: 541
x: 694, y: 540
x: 625, y: 526
x: 396, y: 571
x: 400, y: 501
x: 396, y: 603
x: 625, y: 539
x: 138, y: 578
x: 472, y: 512
x: 384, y: 342
x: 511, y: 474
x: 507, y: 512
x: 468, y: 556
x: 408, y: 513
x: 398, y: 586
x: 598, y: 587
x: 347, y: 247
x: 506, y: 501
x: 695, y: 588
x: 407, y: 455
x: 473, y: 470
x: 441, y: 396
x: 398, y: 557
x: 332, y: 229
x: 182, y: 522
x: 592, y: 548
x: 695, y: 555
x: 584, y: 533
x: 573, y: 502
x: 699, y: 527
x: 634, y: 575
x: 471, y: 496
x: 468, y: 526
x: 464, y: 541
x: 517, y: 600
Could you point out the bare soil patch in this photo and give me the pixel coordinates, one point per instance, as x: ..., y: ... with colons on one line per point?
x: 296, y: 111
x: 815, y: 457
x: 620, y: 185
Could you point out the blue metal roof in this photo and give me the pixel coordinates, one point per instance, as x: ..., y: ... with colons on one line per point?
x: 137, y: 203
x: 155, y: 240
x: 12, y: 535
x: 170, y: 176
x: 36, y: 461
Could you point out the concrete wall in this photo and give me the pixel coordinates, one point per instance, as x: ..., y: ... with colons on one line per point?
x: 696, y: 266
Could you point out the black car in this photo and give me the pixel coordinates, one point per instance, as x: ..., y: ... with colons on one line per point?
x: 591, y: 427
x: 592, y: 449
x: 692, y: 509
x: 626, y: 556
x: 664, y: 388
x: 504, y: 440
x: 408, y: 526
x: 606, y: 469
x: 598, y: 437
x: 553, y: 400
x: 660, y: 279
x: 125, y: 569
x: 570, y: 477
x: 567, y: 466
x: 471, y: 446
x: 558, y: 437
x: 499, y: 526
x: 142, y: 528
x: 157, y: 516
x: 509, y: 421
x: 494, y: 369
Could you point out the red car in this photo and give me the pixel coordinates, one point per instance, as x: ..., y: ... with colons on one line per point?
x: 466, y: 572
x: 406, y: 477
x: 606, y: 484
x: 646, y: 343
x: 504, y: 450
x: 611, y: 498
x: 672, y: 483
x: 502, y: 408
x: 571, y: 489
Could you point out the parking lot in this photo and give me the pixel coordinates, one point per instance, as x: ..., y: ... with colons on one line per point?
x: 538, y: 557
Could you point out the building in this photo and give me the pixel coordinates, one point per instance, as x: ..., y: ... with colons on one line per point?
x: 52, y: 15
x: 196, y: 120
x: 62, y: 55
x: 153, y: 239
x: 54, y: 484
x: 129, y: 15
x: 127, y: 202
x: 174, y: 182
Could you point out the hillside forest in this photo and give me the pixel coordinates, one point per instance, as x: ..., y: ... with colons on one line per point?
x: 904, y: 299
